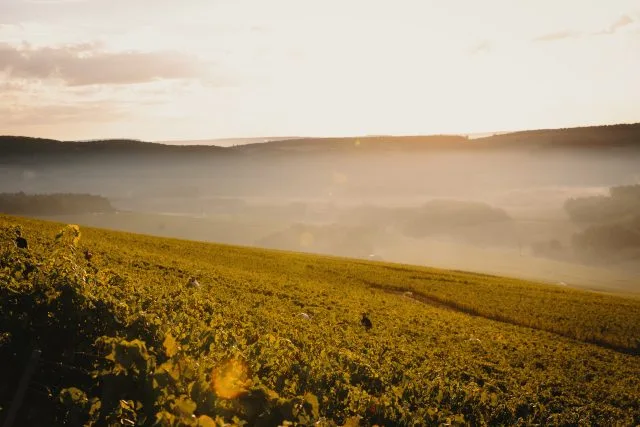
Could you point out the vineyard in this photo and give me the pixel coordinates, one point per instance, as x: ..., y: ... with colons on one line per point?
x: 124, y: 329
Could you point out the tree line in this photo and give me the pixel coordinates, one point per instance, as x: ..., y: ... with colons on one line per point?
x: 53, y: 204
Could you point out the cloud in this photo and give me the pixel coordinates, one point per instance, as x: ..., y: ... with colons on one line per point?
x: 12, y: 86
x: 87, y: 64
x: 86, y: 112
x: 482, y: 47
x: 623, y: 21
x: 560, y: 35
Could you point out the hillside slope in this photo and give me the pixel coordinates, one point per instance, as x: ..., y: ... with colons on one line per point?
x: 374, y: 170
x: 585, y: 138
x: 126, y: 335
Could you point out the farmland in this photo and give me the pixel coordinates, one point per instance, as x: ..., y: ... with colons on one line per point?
x: 125, y: 336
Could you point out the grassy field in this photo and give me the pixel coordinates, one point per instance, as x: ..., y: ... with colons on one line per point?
x: 268, y: 337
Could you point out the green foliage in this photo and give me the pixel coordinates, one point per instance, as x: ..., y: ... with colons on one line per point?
x: 126, y: 341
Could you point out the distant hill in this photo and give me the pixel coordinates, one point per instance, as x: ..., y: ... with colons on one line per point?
x: 37, y: 150
x: 623, y: 136
x: 594, y: 137
x: 227, y: 142
x: 370, y: 143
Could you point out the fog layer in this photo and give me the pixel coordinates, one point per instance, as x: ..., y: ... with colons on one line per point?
x: 525, y: 210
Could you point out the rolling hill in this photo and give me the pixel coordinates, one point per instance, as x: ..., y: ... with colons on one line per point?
x: 130, y: 329
x: 369, y: 169
x: 623, y: 136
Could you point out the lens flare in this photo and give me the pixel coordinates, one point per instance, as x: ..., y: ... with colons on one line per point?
x: 231, y: 379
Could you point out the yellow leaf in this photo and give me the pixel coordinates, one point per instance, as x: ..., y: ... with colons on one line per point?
x: 205, y: 421
x: 494, y: 399
x: 312, y: 401
x: 352, y: 422
x: 171, y: 369
x: 231, y: 379
x: 185, y: 406
x: 170, y: 345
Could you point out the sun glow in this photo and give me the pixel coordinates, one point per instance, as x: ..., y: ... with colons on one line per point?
x: 249, y: 68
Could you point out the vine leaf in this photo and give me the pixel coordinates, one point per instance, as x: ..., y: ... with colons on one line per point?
x: 206, y: 421
x: 170, y: 345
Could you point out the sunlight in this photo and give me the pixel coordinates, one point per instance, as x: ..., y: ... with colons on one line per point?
x: 231, y: 379
x: 327, y: 68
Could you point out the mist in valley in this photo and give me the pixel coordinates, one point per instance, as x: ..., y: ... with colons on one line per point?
x: 500, y: 210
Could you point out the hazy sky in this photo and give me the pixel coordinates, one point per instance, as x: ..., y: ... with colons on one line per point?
x: 168, y: 69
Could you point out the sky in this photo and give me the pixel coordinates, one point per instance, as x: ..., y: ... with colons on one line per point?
x: 199, y: 69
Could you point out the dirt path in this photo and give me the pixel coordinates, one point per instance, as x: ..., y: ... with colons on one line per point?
x: 448, y: 305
